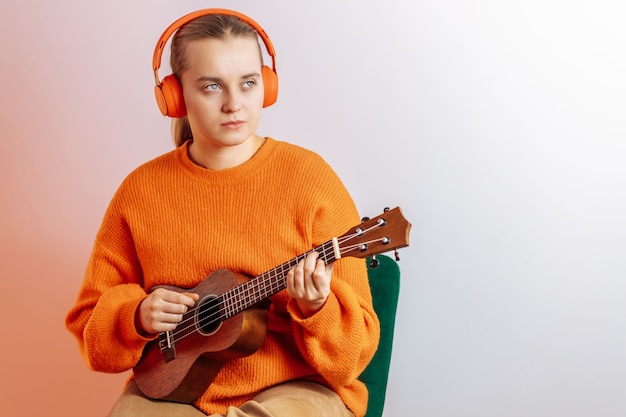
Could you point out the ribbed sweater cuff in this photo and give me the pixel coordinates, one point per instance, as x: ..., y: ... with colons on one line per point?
x: 127, y: 329
x: 321, y: 322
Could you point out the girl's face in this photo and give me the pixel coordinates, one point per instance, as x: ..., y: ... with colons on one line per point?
x: 223, y: 91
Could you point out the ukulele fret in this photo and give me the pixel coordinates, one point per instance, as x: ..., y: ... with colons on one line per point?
x: 249, y: 293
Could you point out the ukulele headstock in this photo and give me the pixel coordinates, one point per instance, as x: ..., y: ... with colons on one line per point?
x: 386, y: 232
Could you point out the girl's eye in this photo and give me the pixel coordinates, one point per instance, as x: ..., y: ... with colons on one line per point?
x: 211, y: 87
x: 249, y: 84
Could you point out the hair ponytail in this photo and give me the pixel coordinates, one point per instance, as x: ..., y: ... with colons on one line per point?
x: 181, y: 131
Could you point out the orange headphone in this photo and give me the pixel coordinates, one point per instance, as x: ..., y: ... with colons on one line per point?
x: 169, y: 92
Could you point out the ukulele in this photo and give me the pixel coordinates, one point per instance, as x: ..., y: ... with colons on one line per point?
x: 229, y: 320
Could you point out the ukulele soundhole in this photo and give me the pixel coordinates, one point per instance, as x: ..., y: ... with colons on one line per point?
x: 208, y: 317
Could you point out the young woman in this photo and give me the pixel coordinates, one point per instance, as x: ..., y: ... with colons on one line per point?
x: 229, y: 198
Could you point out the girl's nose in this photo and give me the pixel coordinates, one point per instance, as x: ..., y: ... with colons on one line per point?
x: 232, y: 104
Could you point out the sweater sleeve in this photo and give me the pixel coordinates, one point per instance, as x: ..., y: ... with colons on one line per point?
x: 341, y: 338
x: 102, y: 320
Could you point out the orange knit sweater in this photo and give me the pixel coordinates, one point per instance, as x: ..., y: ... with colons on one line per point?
x: 173, y: 222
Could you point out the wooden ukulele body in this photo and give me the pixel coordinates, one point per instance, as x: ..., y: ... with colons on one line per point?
x: 201, y: 353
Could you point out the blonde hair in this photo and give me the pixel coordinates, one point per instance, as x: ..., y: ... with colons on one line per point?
x: 212, y: 26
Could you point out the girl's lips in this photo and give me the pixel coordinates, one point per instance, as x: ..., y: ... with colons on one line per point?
x: 235, y: 124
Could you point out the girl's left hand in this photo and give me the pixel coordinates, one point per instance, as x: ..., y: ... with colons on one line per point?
x: 309, y: 283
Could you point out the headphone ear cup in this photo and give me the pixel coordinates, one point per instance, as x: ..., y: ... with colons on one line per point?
x: 270, y: 86
x: 169, y: 97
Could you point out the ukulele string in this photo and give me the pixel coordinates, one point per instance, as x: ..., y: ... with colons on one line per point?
x: 262, y: 279
x: 219, y: 304
x: 277, y: 280
x: 267, y: 282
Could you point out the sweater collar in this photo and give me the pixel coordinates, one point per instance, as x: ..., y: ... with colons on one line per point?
x: 241, y: 171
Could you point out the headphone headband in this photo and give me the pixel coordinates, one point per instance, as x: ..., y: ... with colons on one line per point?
x: 169, y: 31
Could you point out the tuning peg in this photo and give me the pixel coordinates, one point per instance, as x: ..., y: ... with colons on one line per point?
x: 374, y: 262
x: 364, y: 219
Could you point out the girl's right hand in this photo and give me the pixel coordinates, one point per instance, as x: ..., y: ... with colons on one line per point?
x: 162, y: 310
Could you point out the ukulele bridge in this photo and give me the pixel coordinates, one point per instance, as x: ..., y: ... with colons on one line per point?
x: 167, y: 346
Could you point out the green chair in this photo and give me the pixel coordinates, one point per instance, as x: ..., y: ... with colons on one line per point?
x: 384, y: 278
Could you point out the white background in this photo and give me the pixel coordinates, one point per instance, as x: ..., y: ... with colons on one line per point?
x: 497, y: 126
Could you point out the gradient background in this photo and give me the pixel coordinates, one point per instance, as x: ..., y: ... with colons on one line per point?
x: 498, y: 126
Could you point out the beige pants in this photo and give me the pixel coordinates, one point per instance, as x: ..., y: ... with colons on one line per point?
x: 291, y: 399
